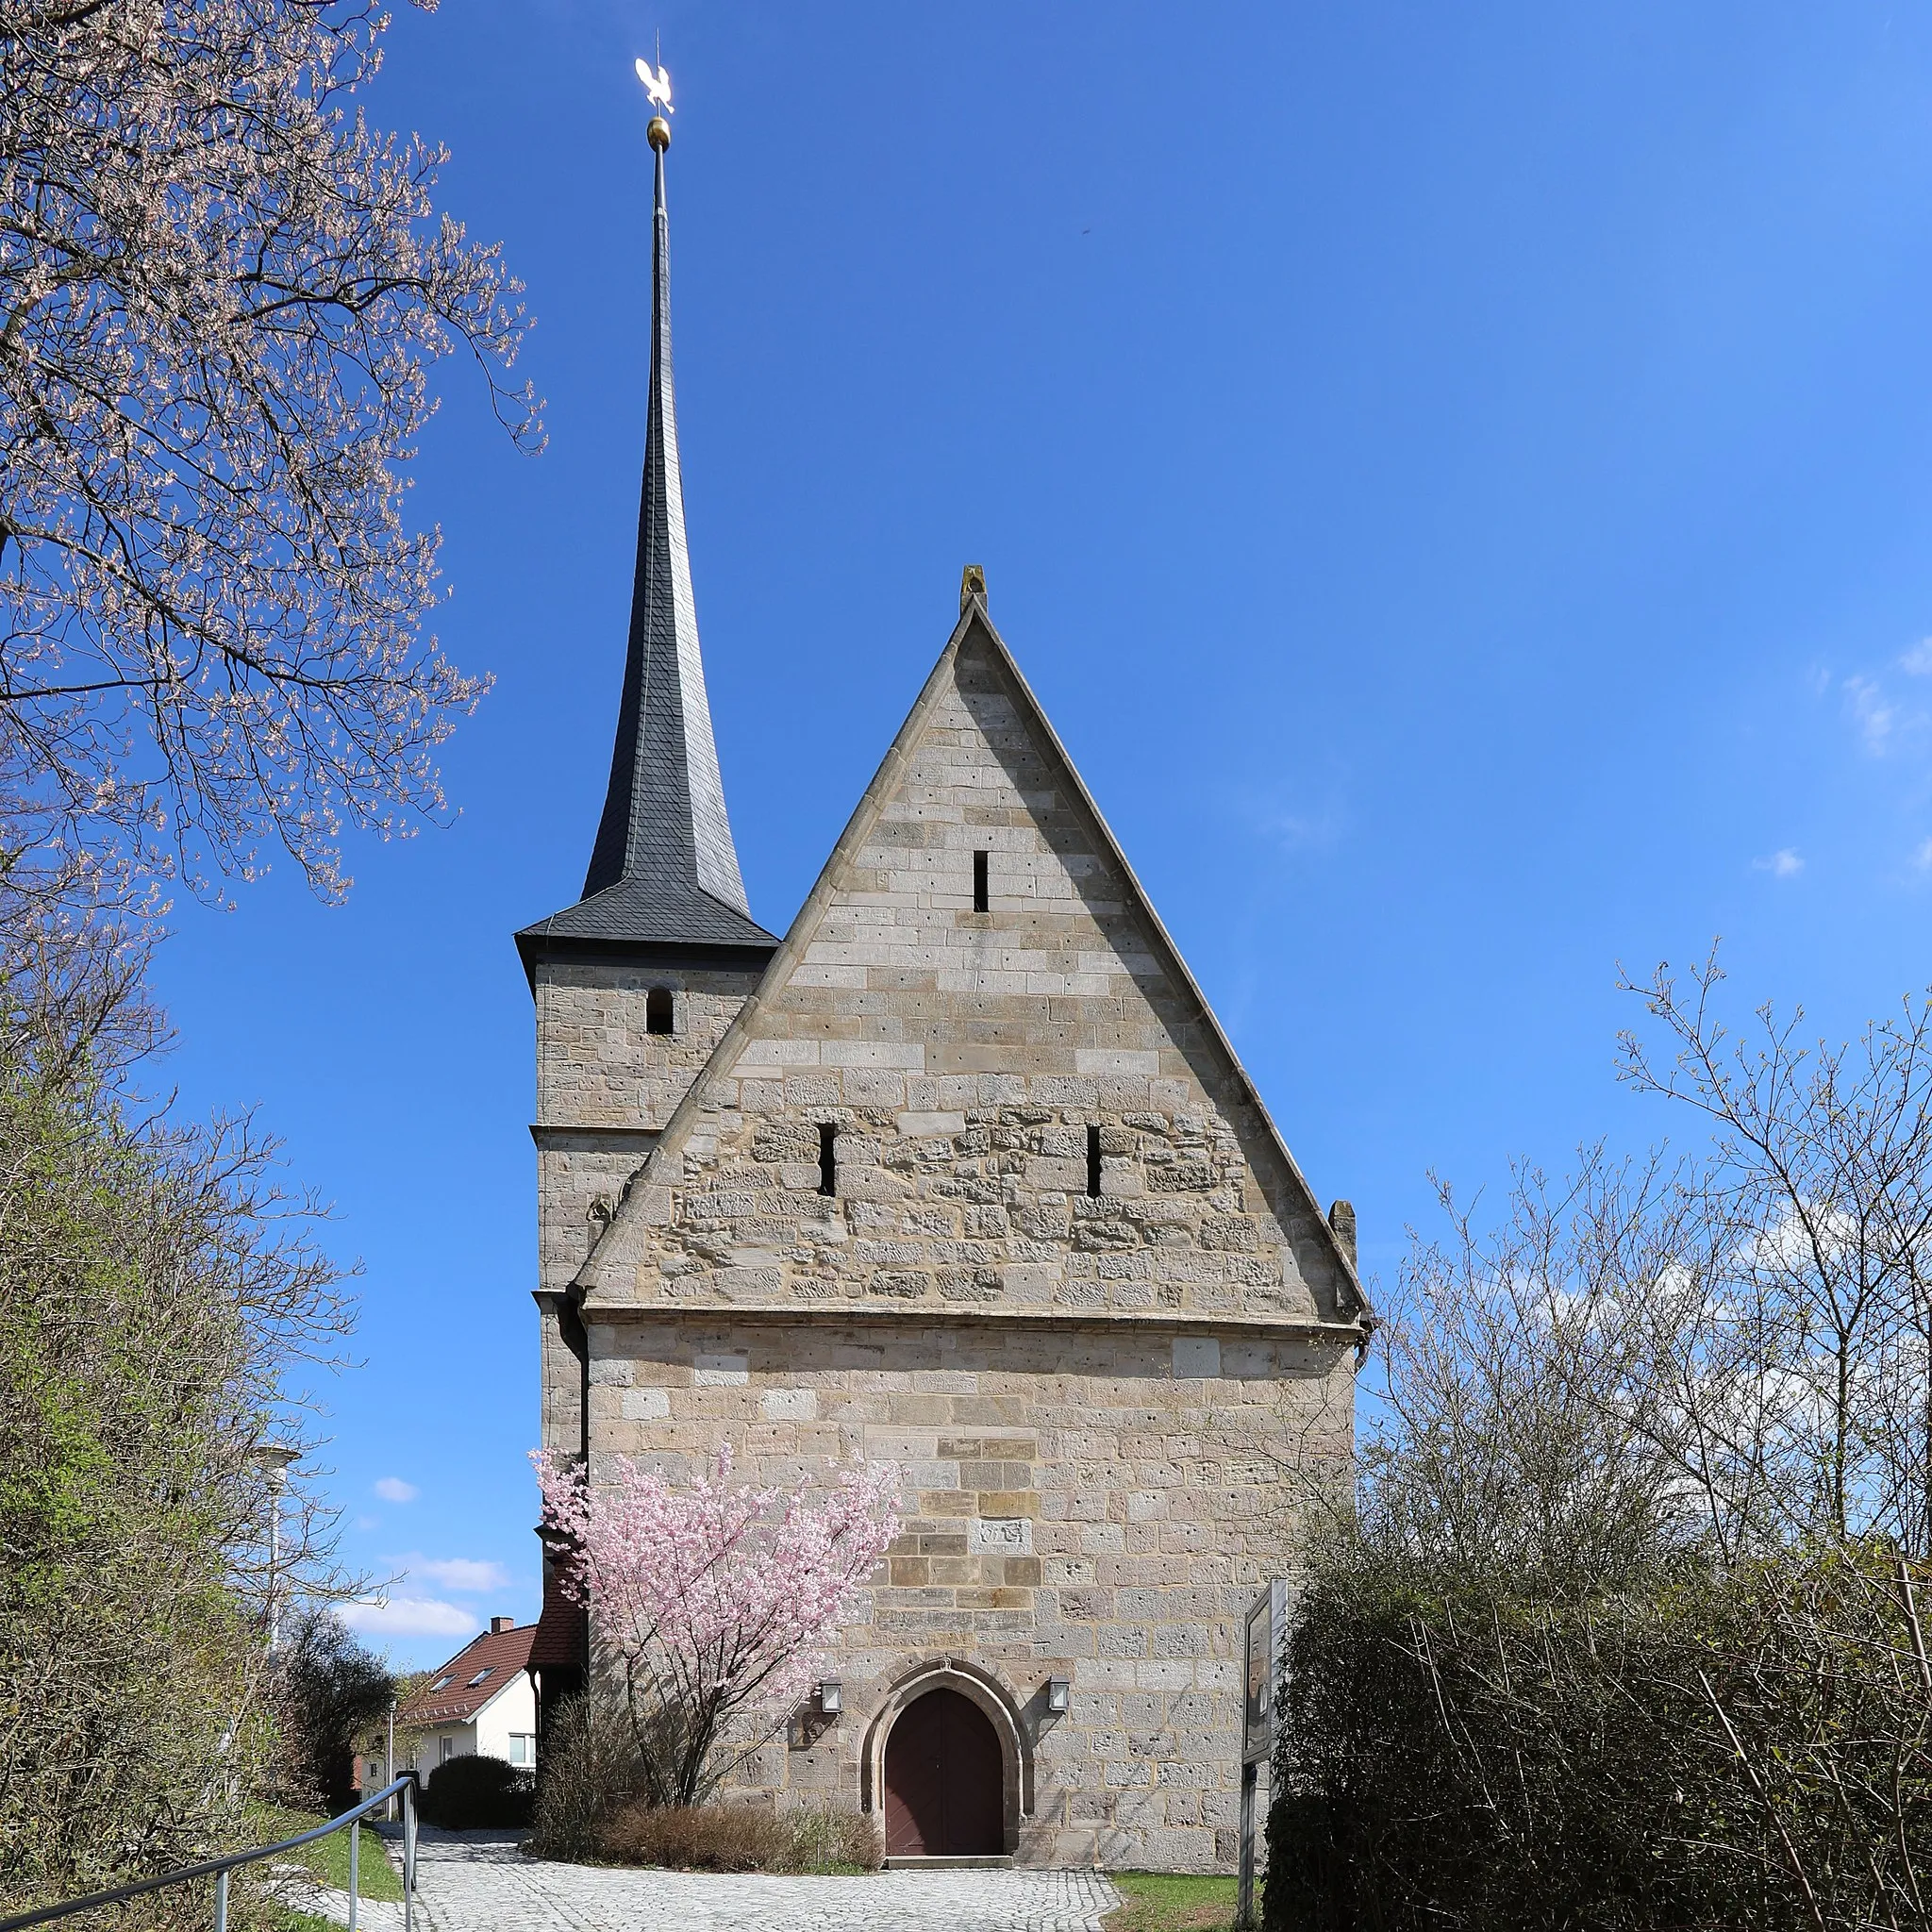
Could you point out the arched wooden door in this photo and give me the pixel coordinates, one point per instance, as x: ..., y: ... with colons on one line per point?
x: 943, y: 1781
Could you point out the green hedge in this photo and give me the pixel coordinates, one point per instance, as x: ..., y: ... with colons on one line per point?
x: 473, y: 1793
x: 1451, y: 1759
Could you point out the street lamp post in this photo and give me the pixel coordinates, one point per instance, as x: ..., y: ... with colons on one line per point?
x: 275, y: 1457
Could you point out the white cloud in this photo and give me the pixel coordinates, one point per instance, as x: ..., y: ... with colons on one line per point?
x: 409, y: 1616
x: 1303, y: 831
x: 460, y: 1572
x: 1875, y: 714
x: 1918, y: 661
x: 1306, y: 817
x: 392, y: 1489
x: 1292, y: 826
x: 1782, y: 864
x: 1923, y: 856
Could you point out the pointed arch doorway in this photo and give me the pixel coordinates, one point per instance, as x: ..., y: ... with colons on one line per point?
x: 943, y: 1788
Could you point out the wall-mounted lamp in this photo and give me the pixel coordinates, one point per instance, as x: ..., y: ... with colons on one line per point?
x: 831, y: 1696
x: 1058, y: 1691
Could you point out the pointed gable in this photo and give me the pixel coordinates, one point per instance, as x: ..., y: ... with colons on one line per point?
x: 1033, y: 1112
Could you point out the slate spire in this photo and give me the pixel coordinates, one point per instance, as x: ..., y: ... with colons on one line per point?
x: 663, y: 868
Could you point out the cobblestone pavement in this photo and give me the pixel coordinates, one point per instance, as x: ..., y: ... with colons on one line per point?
x: 479, y: 1882
x: 293, y: 1885
x: 325, y: 1902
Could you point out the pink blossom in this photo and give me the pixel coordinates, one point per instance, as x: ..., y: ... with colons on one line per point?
x: 714, y: 1601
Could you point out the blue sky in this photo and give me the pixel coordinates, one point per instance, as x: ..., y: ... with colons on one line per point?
x: 1459, y: 479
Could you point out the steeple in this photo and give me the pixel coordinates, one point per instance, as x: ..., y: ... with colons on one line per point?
x: 663, y: 869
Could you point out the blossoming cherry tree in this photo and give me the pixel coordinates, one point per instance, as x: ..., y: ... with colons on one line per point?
x: 713, y: 1601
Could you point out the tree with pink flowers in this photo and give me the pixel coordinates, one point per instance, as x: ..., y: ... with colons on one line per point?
x: 713, y: 1600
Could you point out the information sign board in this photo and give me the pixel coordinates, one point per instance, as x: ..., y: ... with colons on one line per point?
x: 1261, y: 1678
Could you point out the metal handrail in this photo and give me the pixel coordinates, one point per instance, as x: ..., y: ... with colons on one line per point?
x: 220, y: 1868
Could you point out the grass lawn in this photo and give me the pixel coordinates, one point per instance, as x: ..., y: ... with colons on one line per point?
x: 329, y: 1858
x: 1172, y: 1902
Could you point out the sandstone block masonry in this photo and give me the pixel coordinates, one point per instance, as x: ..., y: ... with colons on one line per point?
x: 1093, y: 1504
x: 970, y: 1180
x: 607, y: 1084
x: 960, y: 1058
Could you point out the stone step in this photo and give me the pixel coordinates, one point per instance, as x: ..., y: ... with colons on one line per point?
x: 989, y: 1861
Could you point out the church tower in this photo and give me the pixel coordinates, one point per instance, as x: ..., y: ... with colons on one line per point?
x: 962, y: 1174
x: 636, y: 983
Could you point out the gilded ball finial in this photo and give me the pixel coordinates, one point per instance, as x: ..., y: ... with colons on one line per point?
x: 658, y: 133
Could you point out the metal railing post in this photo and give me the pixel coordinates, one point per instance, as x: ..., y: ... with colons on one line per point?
x: 355, y: 1870
x: 409, y: 1855
x: 221, y: 1902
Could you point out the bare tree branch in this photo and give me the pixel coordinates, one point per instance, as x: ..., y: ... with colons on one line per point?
x: 220, y: 294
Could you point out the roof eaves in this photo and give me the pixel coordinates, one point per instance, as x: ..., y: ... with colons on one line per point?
x: 508, y: 1684
x: 542, y: 941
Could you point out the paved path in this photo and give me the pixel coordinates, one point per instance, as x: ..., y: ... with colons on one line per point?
x: 479, y: 1882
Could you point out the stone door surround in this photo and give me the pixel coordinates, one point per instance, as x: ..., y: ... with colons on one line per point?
x: 980, y: 1686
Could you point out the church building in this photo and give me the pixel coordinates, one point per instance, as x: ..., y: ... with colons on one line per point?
x: 961, y: 1172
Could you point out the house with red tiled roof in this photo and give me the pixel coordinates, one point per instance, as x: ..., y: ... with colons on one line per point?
x: 480, y: 1702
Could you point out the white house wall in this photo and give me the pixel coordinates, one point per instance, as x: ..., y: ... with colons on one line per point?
x: 512, y: 1710
x: 430, y: 1751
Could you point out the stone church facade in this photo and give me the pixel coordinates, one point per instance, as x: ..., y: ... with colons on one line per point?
x: 960, y: 1172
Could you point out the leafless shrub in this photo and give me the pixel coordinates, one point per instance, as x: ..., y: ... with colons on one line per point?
x: 1796, y: 1348
x: 723, y: 1837
x: 835, y: 1837
x: 589, y: 1771
x: 1622, y: 1629
x: 590, y: 1805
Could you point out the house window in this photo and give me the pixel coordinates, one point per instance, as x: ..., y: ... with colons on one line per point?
x: 1094, y: 1162
x: 658, y: 1009
x: 446, y: 1749
x: 522, y: 1747
x: 828, y: 1159
x: 979, y: 864
x: 441, y: 1684
x: 479, y: 1676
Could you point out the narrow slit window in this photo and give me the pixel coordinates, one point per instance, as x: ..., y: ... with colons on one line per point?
x: 979, y: 859
x: 828, y: 1159
x: 658, y: 1009
x: 1094, y: 1162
